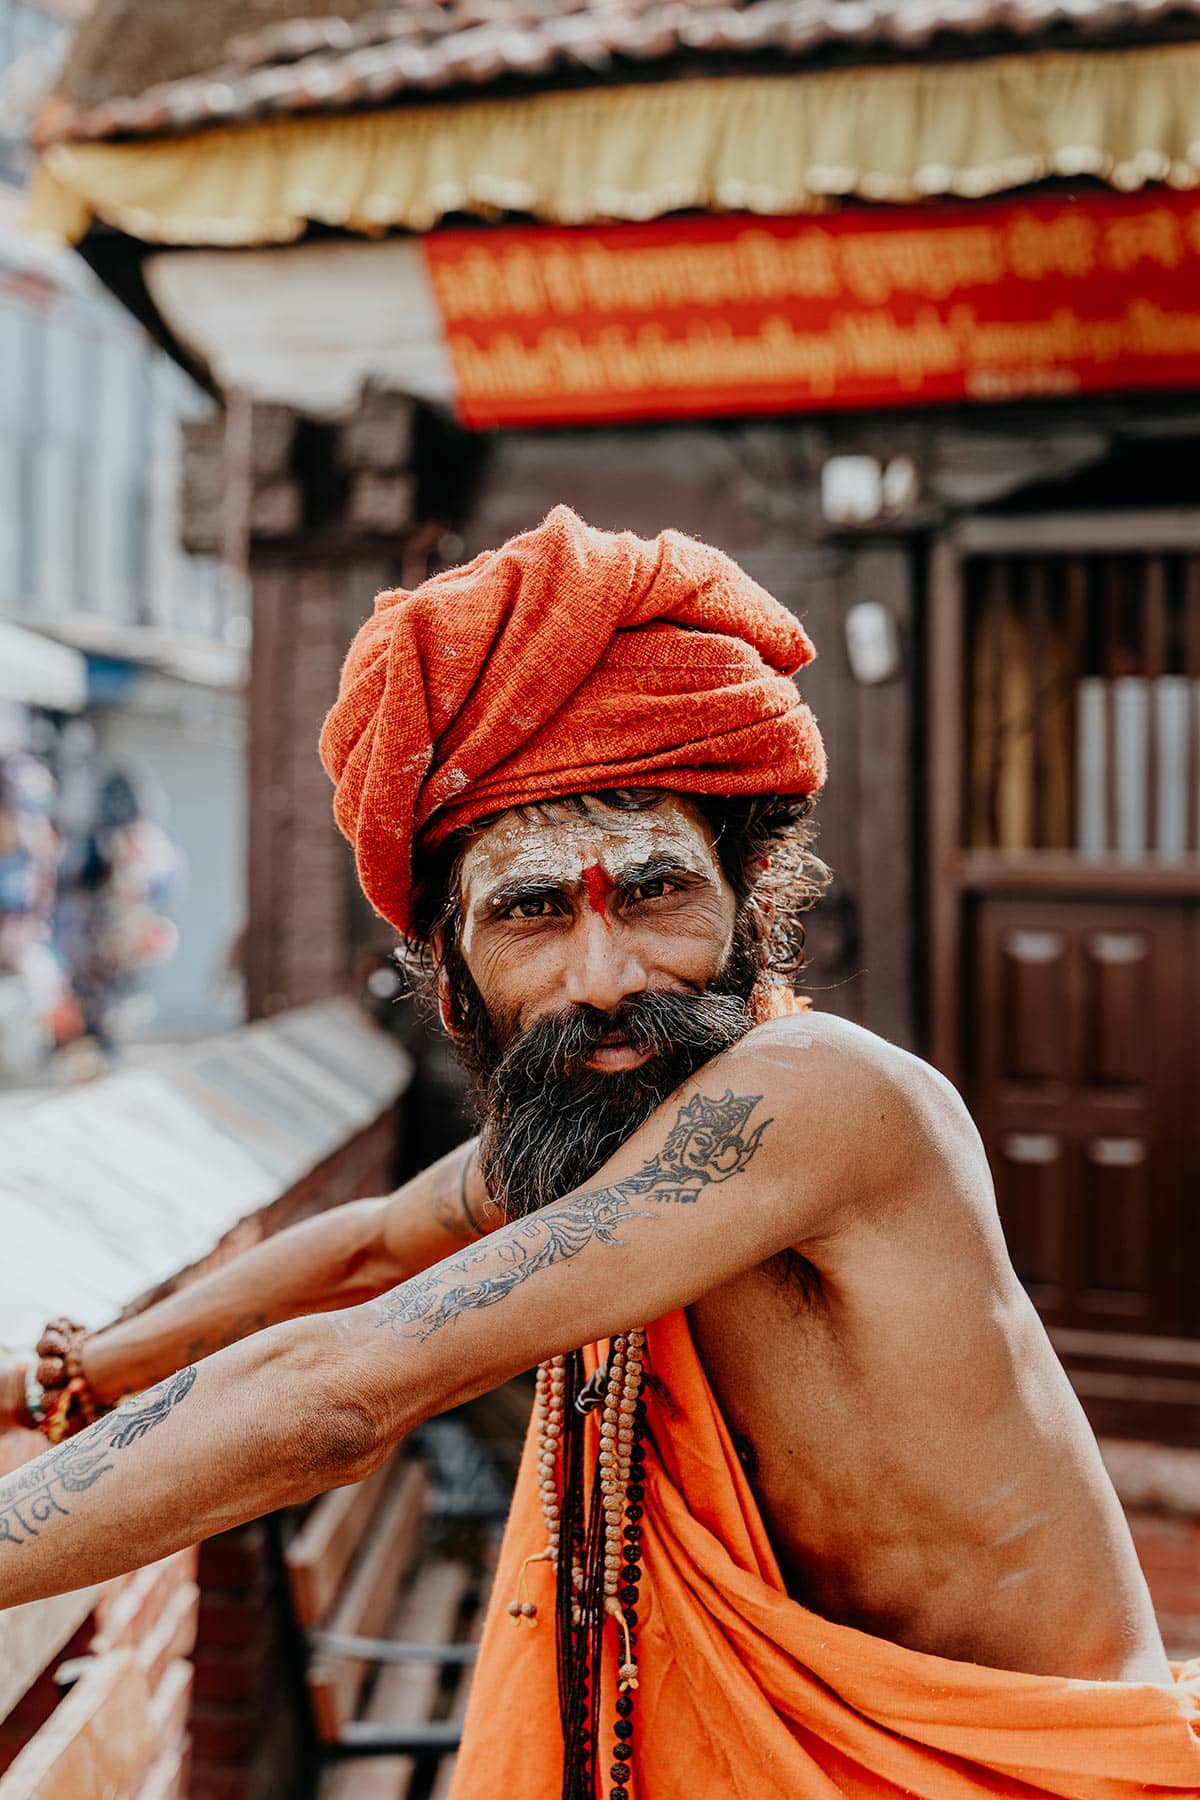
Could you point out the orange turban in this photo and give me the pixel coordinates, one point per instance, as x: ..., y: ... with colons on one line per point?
x: 567, y: 660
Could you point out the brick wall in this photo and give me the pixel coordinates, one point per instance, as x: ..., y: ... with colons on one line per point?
x: 203, y: 1625
x: 248, y: 1741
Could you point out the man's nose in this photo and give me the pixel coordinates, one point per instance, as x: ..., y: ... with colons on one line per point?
x: 603, y: 966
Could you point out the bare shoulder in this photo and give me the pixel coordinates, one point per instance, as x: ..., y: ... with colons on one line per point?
x: 830, y: 1059
x: 871, y: 1116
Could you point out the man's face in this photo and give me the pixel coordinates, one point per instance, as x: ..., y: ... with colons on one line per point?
x: 600, y: 959
x: 576, y: 910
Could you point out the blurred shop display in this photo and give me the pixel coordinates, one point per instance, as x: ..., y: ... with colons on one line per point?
x: 117, y: 651
x: 38, y: 1009
x: 109, y: 927
x: 85, y: 872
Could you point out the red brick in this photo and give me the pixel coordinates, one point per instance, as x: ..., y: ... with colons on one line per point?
x: 99, y: 1742
x: 135, y: 1608
x: 271, y: 1773
x: 235, y: 1559
x: 223, y: 1732
x: 36, y: 1704
x: 173, y: 1637
x: 216, y: 1783
x: 234, y: 1621
x: 226, y: 1674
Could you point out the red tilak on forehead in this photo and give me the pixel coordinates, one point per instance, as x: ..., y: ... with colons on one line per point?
x: 599, y: 886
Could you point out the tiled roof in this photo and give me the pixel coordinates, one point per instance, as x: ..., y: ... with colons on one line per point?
x: 297, y: 65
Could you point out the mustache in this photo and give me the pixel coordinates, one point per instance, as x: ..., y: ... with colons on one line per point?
x: 558, y: 1046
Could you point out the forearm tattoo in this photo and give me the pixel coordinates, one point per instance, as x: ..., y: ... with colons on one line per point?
x: 30, y: 1498
x: 708, y: 1144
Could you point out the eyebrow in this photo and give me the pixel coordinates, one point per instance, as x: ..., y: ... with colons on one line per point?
x: 508, y: 893
x: 657, y: 868
x: 521, y: 888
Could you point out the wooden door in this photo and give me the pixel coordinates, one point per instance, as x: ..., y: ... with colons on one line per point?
x: 1078, y: 1057
x: 1063, y: 816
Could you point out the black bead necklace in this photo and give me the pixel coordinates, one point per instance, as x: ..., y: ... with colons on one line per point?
x: 597, y: 1558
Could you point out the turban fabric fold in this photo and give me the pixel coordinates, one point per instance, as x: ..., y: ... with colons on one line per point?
x: 568, y: 660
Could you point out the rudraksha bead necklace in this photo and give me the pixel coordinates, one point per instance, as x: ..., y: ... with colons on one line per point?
x: 605, y: 1560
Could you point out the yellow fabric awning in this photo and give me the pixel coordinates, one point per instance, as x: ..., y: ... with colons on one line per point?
x: 769, y: 144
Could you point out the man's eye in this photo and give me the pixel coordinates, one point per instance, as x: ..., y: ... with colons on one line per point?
x: 655, y: 890
x: 537, y: 908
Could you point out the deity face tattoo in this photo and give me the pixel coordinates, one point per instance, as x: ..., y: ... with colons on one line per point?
x: 602, y: 958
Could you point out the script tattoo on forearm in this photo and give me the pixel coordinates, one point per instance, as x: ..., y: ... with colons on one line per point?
x: 32, y: 1497
x: 709, y: 1143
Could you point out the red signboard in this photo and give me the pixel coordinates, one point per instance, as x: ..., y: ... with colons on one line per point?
x: 895, y: 307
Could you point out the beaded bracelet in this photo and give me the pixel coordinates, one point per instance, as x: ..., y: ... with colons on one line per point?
x: 64, y: 1403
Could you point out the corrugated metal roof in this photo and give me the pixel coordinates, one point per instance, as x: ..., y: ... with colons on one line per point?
x: 298, y: 65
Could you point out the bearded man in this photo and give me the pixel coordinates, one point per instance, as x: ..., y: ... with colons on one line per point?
x: 815, y: 1511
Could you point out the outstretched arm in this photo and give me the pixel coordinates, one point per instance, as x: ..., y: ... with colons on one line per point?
x: 340, y: 1258
x: 709, y: 1186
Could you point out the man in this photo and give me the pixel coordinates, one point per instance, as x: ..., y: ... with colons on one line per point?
x: 819, y: 1514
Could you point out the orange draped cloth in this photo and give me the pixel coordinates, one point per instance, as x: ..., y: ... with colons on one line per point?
x: 745, y: 1695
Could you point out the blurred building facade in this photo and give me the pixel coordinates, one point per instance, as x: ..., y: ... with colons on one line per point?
x: 122, y: 656
x: 1003, y: 575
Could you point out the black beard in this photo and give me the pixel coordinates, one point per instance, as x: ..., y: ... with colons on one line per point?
x: 547, y: 1122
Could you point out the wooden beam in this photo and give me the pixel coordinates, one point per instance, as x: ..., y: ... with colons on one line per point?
x: 945, y: 638
x: 335, y: 1684
x: 1056, y: 872
x: 406, y: 1693
x: 322, y: 1550
x: 1029, y: 534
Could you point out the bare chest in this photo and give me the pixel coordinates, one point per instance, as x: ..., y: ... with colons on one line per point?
x: 912, y: 1492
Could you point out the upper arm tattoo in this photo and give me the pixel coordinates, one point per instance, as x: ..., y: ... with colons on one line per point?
x: 34, y: 1494
x: 709, y: 1143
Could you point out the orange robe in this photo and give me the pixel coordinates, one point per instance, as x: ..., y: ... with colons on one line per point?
x: 745, y: 1695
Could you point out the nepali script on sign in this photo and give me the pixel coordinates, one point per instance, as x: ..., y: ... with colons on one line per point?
x: 892, y: 307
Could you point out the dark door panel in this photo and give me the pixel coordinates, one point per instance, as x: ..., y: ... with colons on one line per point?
x: 1081, y: 1014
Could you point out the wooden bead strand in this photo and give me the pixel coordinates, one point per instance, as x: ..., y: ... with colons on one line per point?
x: 619, y: 1476
x: 548, y: 1399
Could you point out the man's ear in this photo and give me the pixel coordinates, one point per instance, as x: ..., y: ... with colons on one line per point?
x: 447, y: 1011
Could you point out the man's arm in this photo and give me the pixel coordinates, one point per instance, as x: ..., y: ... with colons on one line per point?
x: 340, y: 1258
x: 711, y: 1185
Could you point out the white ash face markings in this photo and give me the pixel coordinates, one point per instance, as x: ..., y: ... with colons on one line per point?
x: 556, y: 854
